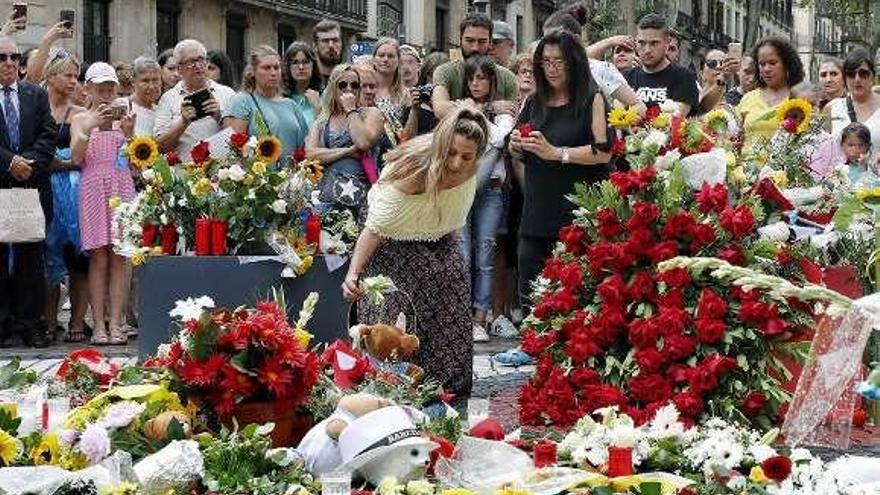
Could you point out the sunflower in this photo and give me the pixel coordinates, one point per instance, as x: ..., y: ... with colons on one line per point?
x: 661, y: 121
x: 794, y: 115
x: 313, y: 170
x: 46, y: 452
x: 716, y: 120
x: 268, y: 149
x: 621, y: 118
x: 871, y: 196
x: 10, y: 448
x: 142, y: 151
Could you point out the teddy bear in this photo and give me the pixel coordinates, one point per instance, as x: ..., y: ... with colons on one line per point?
x: 389, y: 347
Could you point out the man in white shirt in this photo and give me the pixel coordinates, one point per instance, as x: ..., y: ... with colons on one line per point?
x: 177, y: 125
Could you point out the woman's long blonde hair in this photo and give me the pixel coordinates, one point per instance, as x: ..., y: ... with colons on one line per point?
x: 329, y: 104
x: 249, y: 81
x: 424, y: 158
x: 396, y: 90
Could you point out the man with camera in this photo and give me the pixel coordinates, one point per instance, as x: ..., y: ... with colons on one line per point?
x: 190, y: 111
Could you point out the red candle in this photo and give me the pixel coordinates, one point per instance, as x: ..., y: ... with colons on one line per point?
x: 148, y: 235
x: 313, y: 231
x: 219, y: 231
x: 169, y: 239
x: 620, y: 461
x: 203, y: 236
x: 544, y: 454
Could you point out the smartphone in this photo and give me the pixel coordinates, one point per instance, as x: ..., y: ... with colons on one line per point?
x: 197, y: 99
x: 67, y: 16
x: 119, y: 111
x: 19, y: 11
x: 735, y: 50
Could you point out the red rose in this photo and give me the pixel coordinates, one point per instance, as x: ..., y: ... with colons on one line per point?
x: 732, y: 254
x: 172, y: 158
x: 622, y: 181
x: 641, y: 287
x: 702, y: 380
x: 711, y: 305
x: 598, y: 396
x: 663, y: 251
x: 685, y: 491
x: 525, y: 129
x: 689, y: 403
x: 712, y: 198
x: 671, y: 299
x: 719, y: 364
x: 581, y: 346
x: 613, y: 291
x: 738, y: 221
x: 574, y: 238
x: 651, y: 113
x: 649, y: 360
x: 603, y: 333
x: 774, y: 326
x: 643, y: 215
x: 777, y: 468
x: 639, y: 242
x: 679, y: 347
x: 598, y: 255
x: 710, y: 331
x: 679, y: 373
x: 679, y: 226
x: 201, y: 152
x: 551, y: 268
x: 676, y: 277
x: 583, y: 377
x: 618, y: 148
x: 753, y: 403
x: 672, y: 320
x: 534, y: 344
x: 621, y: 258
x: 238, y: 139
x: 650, y: 388
x: 299, y: 154
x: 645, y: 176
x: 783, y: 257
x: 609, y: 225
x: 752, y: 311
x: 571, y: 275
x: 703, y: 235
x: 643, y: 334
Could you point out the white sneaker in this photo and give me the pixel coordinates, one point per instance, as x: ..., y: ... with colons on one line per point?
x: 480, y: 334
x: 502, y: 327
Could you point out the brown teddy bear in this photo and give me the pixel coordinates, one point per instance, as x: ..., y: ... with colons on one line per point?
x: 355, y: 405
x: 390, y: 344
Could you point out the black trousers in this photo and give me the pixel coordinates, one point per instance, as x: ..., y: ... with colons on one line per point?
x: 531, y: 253
x: 23, y: 289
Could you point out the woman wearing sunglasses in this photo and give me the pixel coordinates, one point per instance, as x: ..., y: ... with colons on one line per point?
x: 862, y: 104
x: 341, y: 139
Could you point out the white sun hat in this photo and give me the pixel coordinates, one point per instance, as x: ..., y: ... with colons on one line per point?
x: 380, y: 433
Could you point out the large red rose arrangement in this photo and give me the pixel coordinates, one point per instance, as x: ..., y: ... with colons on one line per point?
x: 223, y: 358
x: 609, y: 330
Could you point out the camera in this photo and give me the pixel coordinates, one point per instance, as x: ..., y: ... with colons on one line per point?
x: 424, y: 92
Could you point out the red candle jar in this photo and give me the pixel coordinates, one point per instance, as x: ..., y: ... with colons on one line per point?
x: 313, y: 231
x: 219, y: 231
x: 544, y: 454
x: 169, y: 239
x: 620, y: 461
x: 148, y: 235
x: 203, y: 236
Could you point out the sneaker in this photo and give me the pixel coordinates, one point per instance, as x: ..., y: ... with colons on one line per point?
x: 504, y: 328
x: 480, y: 334
x: 513, y: 357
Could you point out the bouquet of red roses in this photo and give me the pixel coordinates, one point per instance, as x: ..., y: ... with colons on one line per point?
x: 225, y: 357
x: 608, y: 329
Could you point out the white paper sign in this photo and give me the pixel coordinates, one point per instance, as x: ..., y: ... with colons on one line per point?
x: 219, y: 143
x: 21, y: 216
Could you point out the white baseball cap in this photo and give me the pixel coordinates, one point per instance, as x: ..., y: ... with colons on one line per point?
x: 101, y: 72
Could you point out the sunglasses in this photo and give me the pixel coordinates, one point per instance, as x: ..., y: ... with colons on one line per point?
x: 713, y: 64
x: 860, y: 73
x: 344, y: 85
x: 15, y: 57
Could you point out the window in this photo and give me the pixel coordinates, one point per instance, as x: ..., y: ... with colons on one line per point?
x: 441, y: 28
x: 167, y: 16
x: 96, y: 31
x: 519, y: 33
x: 389, y: 19
x: 286, y: 36
x: 236, y: 26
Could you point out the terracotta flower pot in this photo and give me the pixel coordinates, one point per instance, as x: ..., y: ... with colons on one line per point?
x: 290, y: 424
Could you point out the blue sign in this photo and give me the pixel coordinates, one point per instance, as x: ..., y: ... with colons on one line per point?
x: 361, y: 48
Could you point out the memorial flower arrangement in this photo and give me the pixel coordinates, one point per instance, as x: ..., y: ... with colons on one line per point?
x: 608, y: 329
x: 221, y: 357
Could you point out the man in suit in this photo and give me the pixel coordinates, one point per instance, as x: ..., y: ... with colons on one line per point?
x: 27, y: 135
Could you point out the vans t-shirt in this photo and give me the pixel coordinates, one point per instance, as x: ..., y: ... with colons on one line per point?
x: 672, y: 83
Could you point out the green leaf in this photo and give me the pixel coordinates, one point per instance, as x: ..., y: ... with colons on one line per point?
x: 175, y: 430
x: 240, y: 363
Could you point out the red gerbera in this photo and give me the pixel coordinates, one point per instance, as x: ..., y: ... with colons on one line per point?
x: 777, y: 468
x: 275, y: 377
x: 201, y: 373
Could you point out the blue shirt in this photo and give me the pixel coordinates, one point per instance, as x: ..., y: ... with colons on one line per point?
x: 305, y: 108
x: 283, y: 119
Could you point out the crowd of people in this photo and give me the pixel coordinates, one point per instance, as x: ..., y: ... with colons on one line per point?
x: 458, y: 169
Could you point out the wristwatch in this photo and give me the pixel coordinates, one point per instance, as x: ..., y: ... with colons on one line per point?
x: 563, y: 156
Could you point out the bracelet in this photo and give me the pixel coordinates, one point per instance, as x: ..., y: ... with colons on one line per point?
x: 355, y: 110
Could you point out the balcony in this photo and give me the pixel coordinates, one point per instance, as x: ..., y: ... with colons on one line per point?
x: 352, y: 14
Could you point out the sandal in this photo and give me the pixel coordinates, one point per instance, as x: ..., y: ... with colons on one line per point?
x: 100, y: 338
x: 513, y: 357
x: 117, y: 336
x: 75, y: 337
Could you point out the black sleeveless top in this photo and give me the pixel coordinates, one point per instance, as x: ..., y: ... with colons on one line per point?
x: 62, y: 136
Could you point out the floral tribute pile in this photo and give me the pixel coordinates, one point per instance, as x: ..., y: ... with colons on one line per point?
x: 608, y: 330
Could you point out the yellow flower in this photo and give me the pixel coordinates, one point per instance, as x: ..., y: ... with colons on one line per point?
x: 268, y: 149
x: 201, y: 187
x: 303, y: 337
x: 114, y: 202
x: 10, y: 448
x: 142, y: 151
x: 11, y: 408
x: 124, y: 488
x: 716, y: 120
x: 457, y: 491
x: 46, y: 452
x: 738, y: 176
x: 259, y: 167
x: 757, y: 475
x: 869, y: 195
x: 305, y: 265
x: 156, y: 251
x: 313, y: 170
x: 661, y: 121
x: 620, y: 118
x: 138, y: 258
x: 248, y: 179
x: 779, y: 178
x: 796, y: 110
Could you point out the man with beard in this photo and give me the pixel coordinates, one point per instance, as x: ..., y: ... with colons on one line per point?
x: 475, y: 39
x: 328, y: 46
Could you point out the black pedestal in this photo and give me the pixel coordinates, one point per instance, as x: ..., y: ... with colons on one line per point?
x: 166, y: 279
